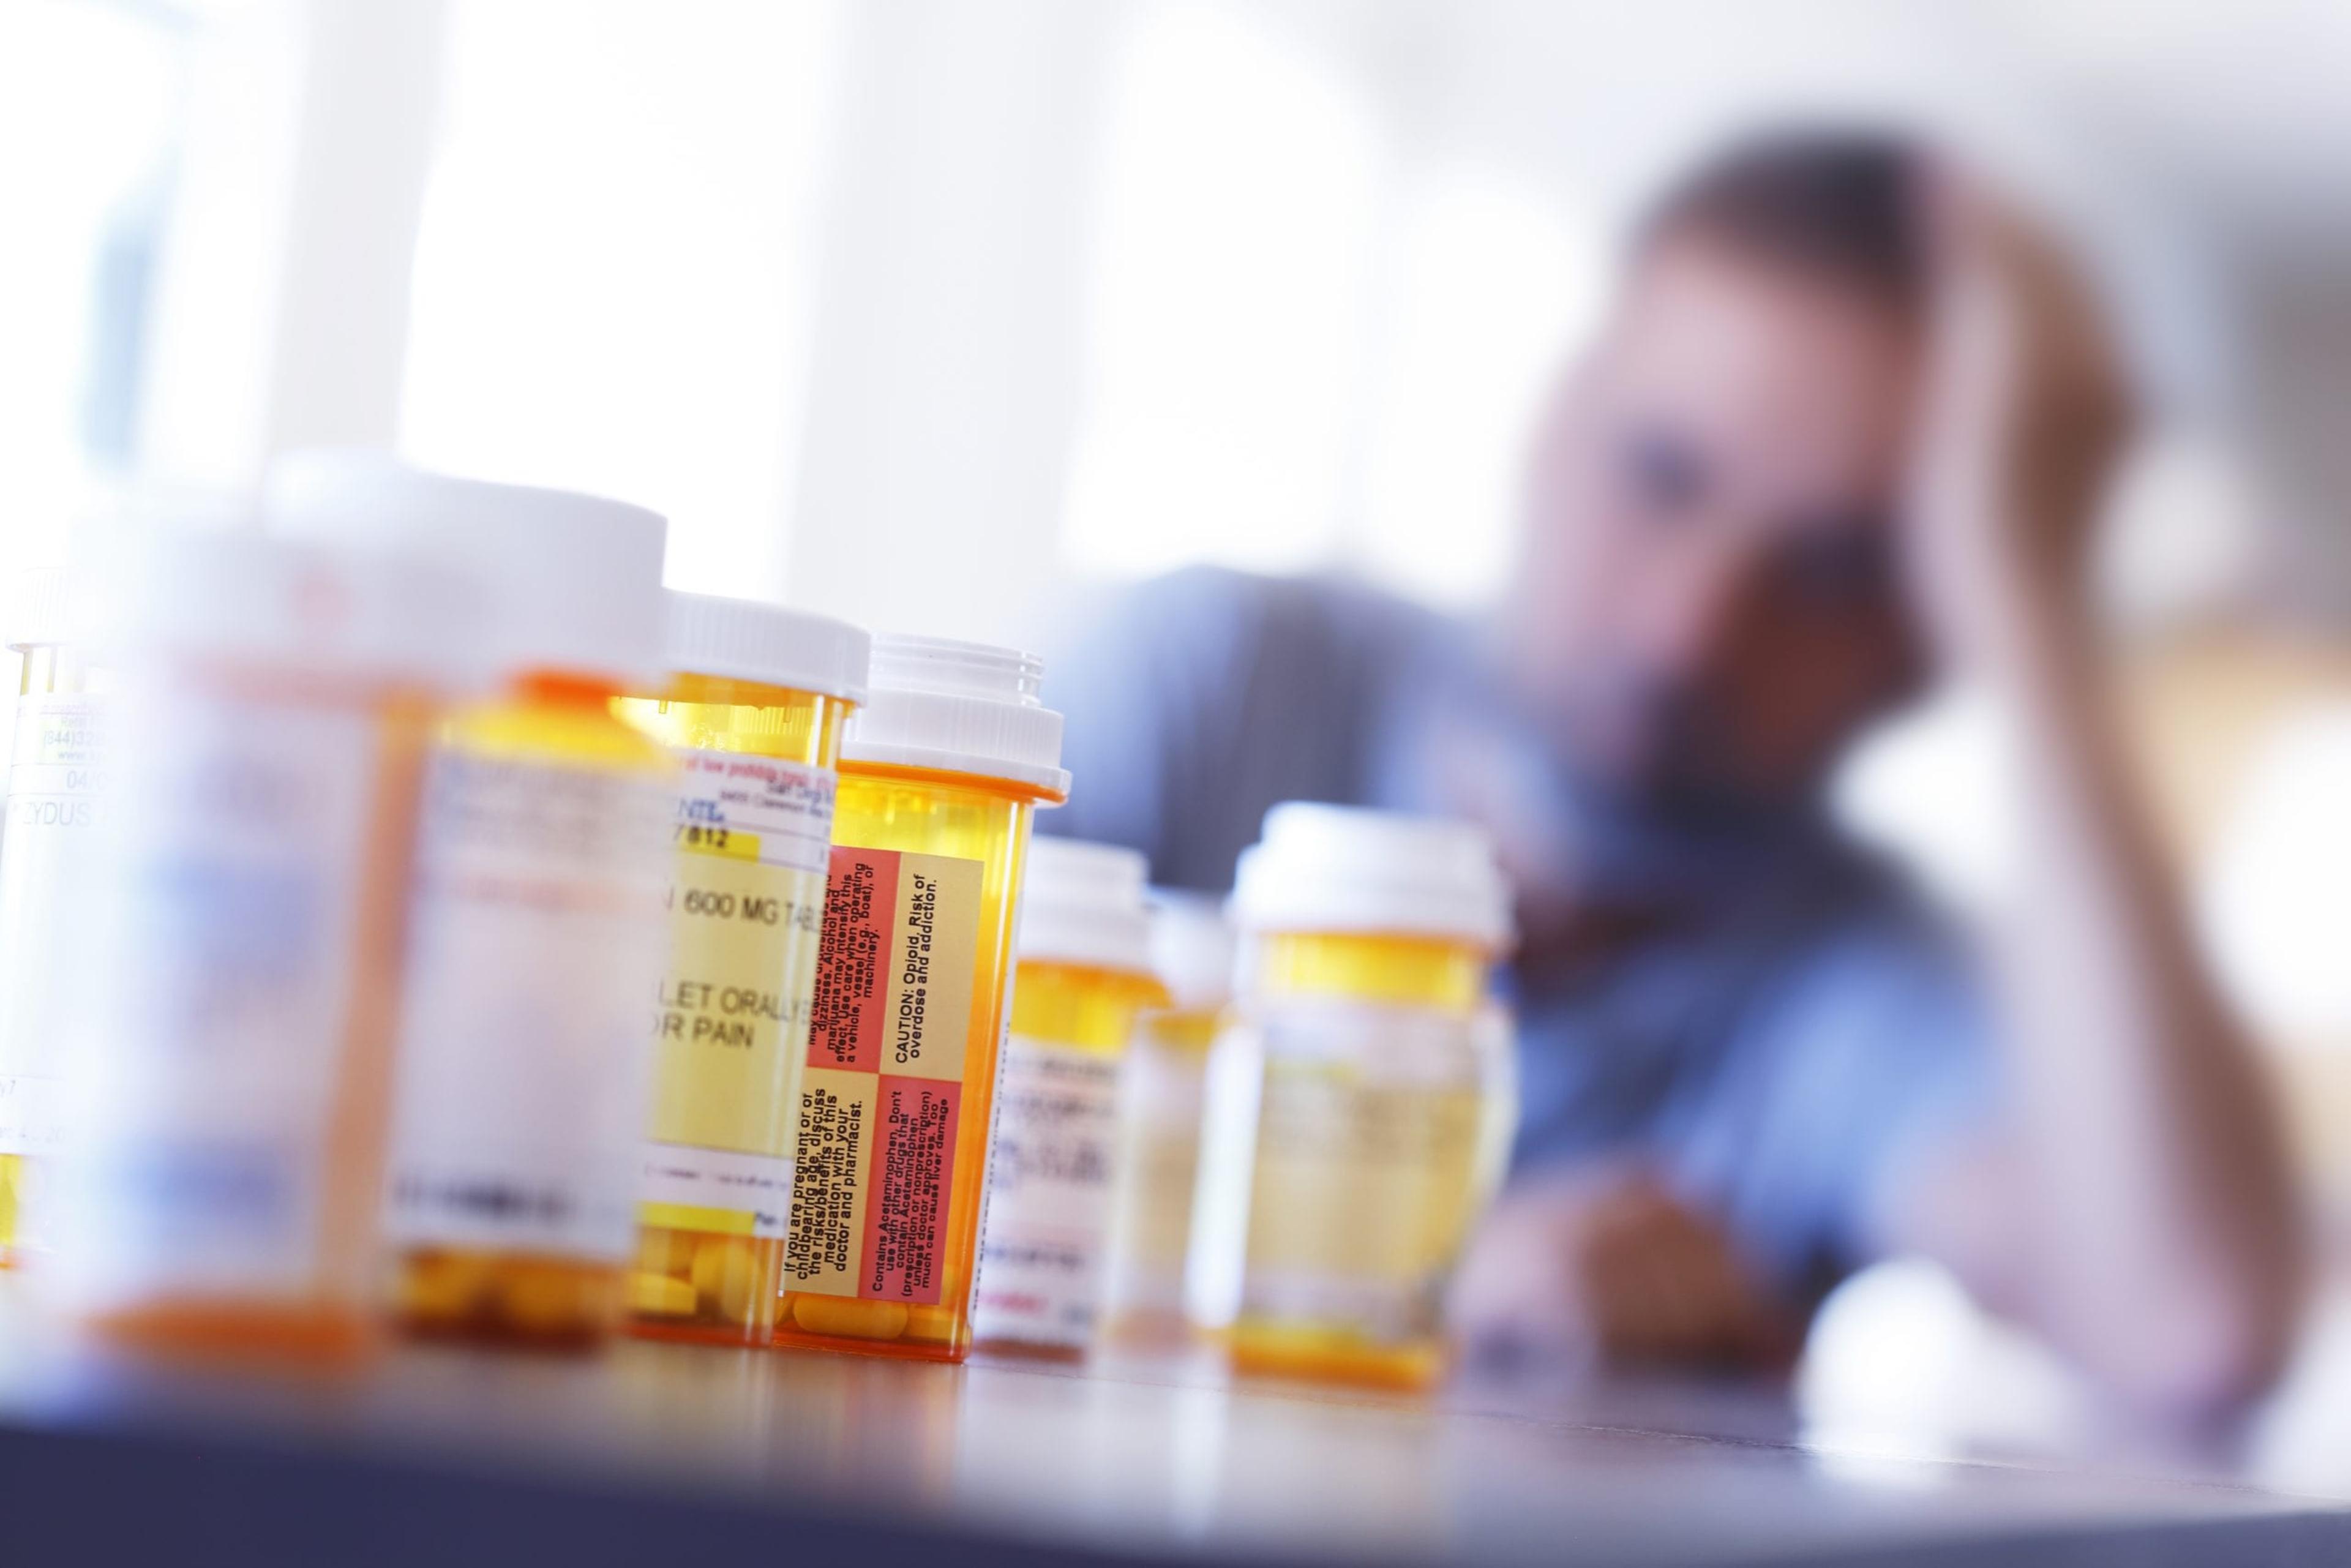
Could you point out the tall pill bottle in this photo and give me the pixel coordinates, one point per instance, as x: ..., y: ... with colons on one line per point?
x: 1159, y: 1123
x: 539, y: 939
x: 52, y: 787
x: 940, y: 774
x: 752, y: 711
x: 239, y: 937
x: 1363, y: 1093
x: 1083, y: 980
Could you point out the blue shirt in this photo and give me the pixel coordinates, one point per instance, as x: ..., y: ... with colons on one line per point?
x: 1773, y: 1020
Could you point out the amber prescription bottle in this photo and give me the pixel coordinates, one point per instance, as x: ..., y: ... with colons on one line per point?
x: 940, y: 774
x: 752, y: 711
x: 1159, y: 1128
x: 1083, y: 977
x: 1361, y: 1106
x: 52, y: 787
x: 538, y: 936
x: 240, y: 942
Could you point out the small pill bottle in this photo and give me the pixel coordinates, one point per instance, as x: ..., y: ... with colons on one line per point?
x: 941, y: 772
x: 752, y: 711
x: 1082, y: 981
x: 52, y: 787
x: 238, y: 937
x: 1159, y: 1123
x: 1363, y: 1094
x: 537, y: 934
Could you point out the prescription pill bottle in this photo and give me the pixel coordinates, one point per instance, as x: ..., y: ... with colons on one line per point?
x: 752, y: 710
x: 52, y: 787
x: 1082, y: 978
x: 538, y: 938
x: 1363, y: 1093
x: 238, y: 943
x: 1159, y: 1123
x: 940, y: 773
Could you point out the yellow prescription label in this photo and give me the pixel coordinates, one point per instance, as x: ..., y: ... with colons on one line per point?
x: 882, y: 1098
x: 1375, y: 1146
x: 746, y: 905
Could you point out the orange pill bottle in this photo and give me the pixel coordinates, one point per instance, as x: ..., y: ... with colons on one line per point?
x: 1361, y: 1105
x: 238, y: 938
x: 538, y: 938
x: 940, y: 776
x: 1082, y: 982
x: 1159, y: 1131
x: 753, y: 710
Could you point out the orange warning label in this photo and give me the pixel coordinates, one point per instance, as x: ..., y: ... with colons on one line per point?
x: 880, y: 1107
x: 905, y: 1225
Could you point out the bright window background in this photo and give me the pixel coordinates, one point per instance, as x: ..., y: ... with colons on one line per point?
x: 1306, y: 345
x: 1233, y: 303
x: 610, y: 262
x: 1492, y: 285
x: 90, y: 105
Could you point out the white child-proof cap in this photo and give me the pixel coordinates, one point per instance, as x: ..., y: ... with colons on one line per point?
x: 576, y: 578
x: 959, y: 707
x: 744, y: 639
x: 1345, y: 869
x: 1082, y: 904
x: 242, y: 594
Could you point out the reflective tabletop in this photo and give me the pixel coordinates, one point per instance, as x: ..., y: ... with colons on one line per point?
x: 661, y: 1452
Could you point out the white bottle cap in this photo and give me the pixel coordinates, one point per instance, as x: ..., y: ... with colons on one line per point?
x: 242, y: 594
x: 1191, y: 949
x: 1343, y: 869
x: 577, y: 577
x: 744, y: 639
x: 1082, y: 904
x: 33, y: 608
x: 959, y: 707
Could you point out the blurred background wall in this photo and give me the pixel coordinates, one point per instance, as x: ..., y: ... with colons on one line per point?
x: 941, y: 314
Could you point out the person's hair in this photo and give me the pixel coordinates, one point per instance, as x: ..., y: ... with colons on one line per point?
x: 1839, y: 204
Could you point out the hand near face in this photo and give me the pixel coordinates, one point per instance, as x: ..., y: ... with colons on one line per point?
x: 1610, y: 1266
x: 2024, y: 418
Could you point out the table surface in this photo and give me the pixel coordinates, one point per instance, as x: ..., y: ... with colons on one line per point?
x: 659, y: 1452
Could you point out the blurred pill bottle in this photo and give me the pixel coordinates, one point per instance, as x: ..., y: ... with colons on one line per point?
x: 52, y: 787
x: 538, y: 938
x: 940, y: 774
x: 237, y: 935
x: 1159, y: 1123
x: 1359, y: 1108
x: 752, y: 710
x: 1082, y: 980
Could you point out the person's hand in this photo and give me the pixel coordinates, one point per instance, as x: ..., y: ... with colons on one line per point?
x: 1609, y: 1265
x: 2024, y: 416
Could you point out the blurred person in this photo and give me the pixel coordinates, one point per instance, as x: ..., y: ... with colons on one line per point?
x: 1849, y: 419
